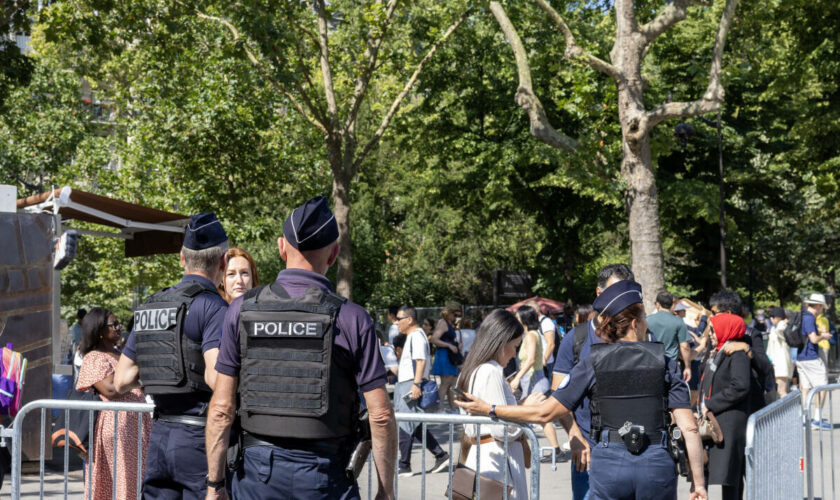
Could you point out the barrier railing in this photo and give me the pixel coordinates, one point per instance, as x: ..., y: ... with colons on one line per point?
x: 773, y: 450
x: 15, y: 432
x: 452, y: 421
x: 821, y: 427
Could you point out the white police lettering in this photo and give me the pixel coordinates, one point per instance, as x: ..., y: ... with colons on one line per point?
x: 285, y: 329
x: 150, y: 320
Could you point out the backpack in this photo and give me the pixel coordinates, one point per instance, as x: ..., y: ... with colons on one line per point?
x: 793, y: 331
x: 12, y: 368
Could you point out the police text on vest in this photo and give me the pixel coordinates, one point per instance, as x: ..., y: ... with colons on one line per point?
x: 150, y: 320
x: 285, y: 329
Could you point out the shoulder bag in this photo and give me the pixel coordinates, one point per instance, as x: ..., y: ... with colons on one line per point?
x: 464, y: 479
x: 456, y: 358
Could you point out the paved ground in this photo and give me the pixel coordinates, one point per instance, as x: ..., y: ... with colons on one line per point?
x: 553, y: 484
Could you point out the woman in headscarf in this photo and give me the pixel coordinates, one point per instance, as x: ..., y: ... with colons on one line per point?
x: 724, y: 392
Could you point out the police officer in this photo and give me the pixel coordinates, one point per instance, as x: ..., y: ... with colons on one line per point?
x: 298, y: 355
x: 171, y: 351
x: 631, y: 385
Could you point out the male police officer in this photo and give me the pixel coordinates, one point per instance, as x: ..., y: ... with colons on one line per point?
x: 298, y: 355
x: 172, y: 350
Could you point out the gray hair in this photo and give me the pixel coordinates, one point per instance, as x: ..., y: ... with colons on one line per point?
x: 206, y: 260
x: 409, y: 312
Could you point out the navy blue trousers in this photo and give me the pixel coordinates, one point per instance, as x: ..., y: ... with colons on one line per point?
x: 617, y: 474
x: 176, y: 464
x: 285, y: 474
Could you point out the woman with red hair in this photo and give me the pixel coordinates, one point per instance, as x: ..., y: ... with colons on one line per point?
x: 240, y: 274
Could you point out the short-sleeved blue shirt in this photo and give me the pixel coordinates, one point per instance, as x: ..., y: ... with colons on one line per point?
x: 809, y: 325
x: 357, y: 347
x: 577, y: 389
x: 202, y: 324
x: 565, y: 363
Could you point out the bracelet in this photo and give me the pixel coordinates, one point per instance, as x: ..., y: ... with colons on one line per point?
x: 492, y: 412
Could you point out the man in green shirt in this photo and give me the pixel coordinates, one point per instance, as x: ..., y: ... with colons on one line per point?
x: 671, y: 331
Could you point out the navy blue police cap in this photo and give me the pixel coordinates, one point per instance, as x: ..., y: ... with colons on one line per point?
x: 204, y: 231
x: 618, y: 297
x: 311, y: 226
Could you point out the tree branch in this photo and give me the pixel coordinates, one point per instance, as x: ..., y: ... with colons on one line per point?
x: 525, y: 97
x: 326, y: 71
x: 395, y: 106
x: 363, y: 80
x: 10, y: 11
x: 573, y: 50
x: 671, y: 15
x: 237, y: 37
x: 713, y: 97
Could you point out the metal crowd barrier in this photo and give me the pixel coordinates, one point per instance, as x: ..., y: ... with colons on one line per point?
x: 773, y: 451
x: 457, y: 420
x: 810, y: 463
x: 15, y: 432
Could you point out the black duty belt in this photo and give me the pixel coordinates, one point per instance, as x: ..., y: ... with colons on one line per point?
x: 614, y: 437
x: 183, y: 419
x: 320, y: 446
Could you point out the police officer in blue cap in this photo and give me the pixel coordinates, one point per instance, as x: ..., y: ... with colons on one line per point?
x: 632, y: 386
x: 171, y: 352
x: 297, y: 355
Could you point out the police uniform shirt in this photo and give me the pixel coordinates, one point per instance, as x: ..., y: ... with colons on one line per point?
x: 356, y: 344
x: 202, y: 324
x: 565, y: 363
x: 574, y: 392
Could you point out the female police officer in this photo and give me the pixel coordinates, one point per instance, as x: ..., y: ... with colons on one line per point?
x: 632, y: 385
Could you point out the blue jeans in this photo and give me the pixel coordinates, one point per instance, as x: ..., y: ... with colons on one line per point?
x: 617, y: 474
x: 580, y: 484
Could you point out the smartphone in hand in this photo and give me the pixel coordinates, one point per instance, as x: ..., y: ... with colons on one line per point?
x: 459, y: 394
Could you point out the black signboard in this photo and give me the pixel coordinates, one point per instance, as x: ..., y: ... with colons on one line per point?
x: 511, y: 285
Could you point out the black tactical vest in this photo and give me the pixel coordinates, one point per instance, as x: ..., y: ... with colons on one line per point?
x: 169, y: 362
x: 290, y: 385
x: 629, y: 386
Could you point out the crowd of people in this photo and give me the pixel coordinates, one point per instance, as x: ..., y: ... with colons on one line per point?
x: 278, y: 373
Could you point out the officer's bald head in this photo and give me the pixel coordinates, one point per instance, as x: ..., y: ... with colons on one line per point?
x: 318, y: 260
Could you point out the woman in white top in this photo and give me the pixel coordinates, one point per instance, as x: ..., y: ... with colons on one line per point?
x: 778, y: 350
x: 495, y: 344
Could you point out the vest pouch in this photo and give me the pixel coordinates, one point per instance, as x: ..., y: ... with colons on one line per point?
x: 157, y: 335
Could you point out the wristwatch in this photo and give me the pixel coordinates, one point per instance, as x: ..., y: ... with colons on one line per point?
x: 418, y: 385
x: 492, y: 411
x: 216, y: 485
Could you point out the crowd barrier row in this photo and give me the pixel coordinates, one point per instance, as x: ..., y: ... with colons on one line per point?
x: 781, y: 446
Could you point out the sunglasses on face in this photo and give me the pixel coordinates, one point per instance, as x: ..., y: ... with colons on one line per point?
x: 116, y: 325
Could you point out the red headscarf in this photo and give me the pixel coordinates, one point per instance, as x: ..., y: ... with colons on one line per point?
x: 728, y: 327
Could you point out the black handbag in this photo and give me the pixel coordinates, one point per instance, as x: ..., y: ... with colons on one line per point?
x: 77, y: 426
x: 456, y: 358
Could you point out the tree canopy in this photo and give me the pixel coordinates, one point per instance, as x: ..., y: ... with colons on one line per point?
x: 150, y: 102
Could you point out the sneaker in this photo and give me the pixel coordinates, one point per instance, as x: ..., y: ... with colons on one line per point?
x: 405, y: 472
x: 546, y: 459
x: 441, y: 462
x: 821, y: 424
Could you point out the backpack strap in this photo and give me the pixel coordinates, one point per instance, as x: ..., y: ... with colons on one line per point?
x: 581, y: 333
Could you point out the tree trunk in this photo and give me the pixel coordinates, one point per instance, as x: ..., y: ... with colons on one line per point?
x: 341, y: 210
x: 642, y: 200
